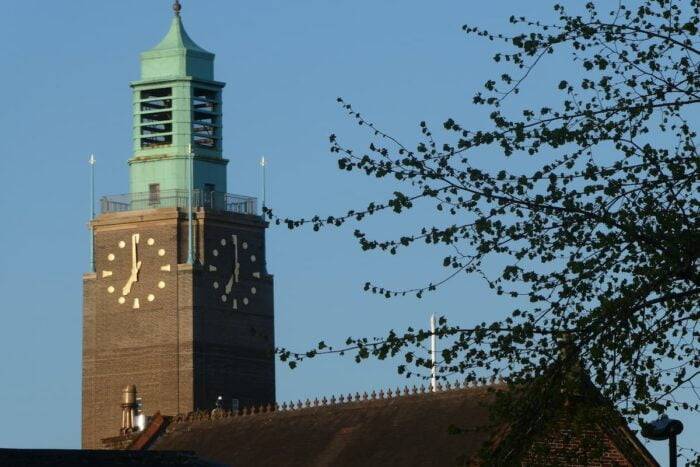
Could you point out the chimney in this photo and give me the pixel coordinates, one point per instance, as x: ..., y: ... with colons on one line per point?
x: 140, y: 416
x: 129, y: 406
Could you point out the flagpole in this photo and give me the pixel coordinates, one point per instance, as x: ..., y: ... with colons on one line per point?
x: 263, y: 164
x: 433, y: 354
x: 91, y: 161
x: 190, y: 182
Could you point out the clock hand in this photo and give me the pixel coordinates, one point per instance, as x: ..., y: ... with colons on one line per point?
x: 234, y: 275
x: 133, y: 278
x: 135, y: 265
x: 229, y: 286
x: 236, y: 266
x: 127, y: 288
x: 134, y: 255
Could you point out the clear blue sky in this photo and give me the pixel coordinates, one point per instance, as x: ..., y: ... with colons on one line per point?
x: 65, y: 69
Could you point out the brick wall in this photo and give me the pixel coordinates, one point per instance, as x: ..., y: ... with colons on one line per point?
x: 563, y: 446
x: 234, y: 347
x: 168, y: 336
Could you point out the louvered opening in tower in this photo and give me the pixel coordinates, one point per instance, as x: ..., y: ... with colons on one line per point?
x: 156, y: 110
x: 206, y: 118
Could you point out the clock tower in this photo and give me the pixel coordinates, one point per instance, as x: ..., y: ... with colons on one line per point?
x: 180, y: 303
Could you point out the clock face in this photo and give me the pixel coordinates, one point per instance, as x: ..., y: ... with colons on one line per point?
x: 235, y: 270
x: 129, y: 274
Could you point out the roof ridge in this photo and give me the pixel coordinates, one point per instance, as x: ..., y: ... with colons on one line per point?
x: 341, y: 400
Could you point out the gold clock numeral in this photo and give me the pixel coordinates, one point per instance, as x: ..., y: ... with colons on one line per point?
x: 106, y: 274
x: 213, y: 268
x: 165, y: 268
x: 235, y: 304
x: 256, y: 275
x: 137, y: 304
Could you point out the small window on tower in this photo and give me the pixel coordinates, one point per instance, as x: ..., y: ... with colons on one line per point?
x: 209, y: 196
x: 154, y: 194
x: 156, y: 117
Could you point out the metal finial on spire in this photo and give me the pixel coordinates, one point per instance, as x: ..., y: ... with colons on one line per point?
x: 177, y: 7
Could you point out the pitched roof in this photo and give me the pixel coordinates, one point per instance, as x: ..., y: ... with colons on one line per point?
x: 391, y: 429
x: 177, y: 56
x: 405, y: 430
x: 177, y: 38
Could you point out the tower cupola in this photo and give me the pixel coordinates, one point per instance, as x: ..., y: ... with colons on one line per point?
x: 177, y: 115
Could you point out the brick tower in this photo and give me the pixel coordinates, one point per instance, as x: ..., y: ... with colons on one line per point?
x: 180, y: 303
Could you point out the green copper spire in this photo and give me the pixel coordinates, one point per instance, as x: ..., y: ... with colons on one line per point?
x: 177, y: 55
x: 177, y: 106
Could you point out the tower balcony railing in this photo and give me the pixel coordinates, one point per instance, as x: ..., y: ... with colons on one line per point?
x: 214, y: 200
